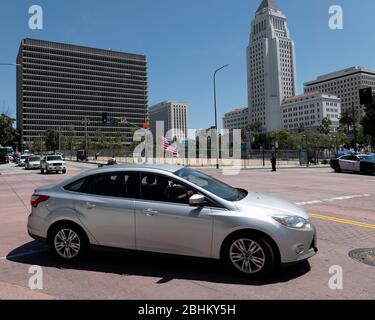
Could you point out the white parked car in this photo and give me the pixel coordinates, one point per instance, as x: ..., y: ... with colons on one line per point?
x: 32, y: 162
x: 22, y: 160
x: 52, y: 163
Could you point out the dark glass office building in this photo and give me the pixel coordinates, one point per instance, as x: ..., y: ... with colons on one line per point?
x: 62, y: 85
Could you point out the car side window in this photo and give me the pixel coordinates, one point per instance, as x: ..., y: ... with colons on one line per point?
x: 78, y: 186
x: 160, y: 188
x: 345, y: 158
x: 115, y: 184
x: 353, y: 158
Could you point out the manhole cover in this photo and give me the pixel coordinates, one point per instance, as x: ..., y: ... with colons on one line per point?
x: 366, y: 256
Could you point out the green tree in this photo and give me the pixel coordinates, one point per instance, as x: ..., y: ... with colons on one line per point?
x: 283, y: 138
x: 346, y: 120
x: 71, y: 137
x: 368, y: 122
x: 52, y: 139
x: 301, y: 128
x: 8, y: 134
x: 325, y: 126
x: 101, y: 140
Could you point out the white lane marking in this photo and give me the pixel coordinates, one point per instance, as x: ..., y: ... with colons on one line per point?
x: 23, y: 254
x: 333, y: 199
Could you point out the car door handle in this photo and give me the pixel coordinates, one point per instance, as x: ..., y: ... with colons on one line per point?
x: 150, y: 213
x: 89, y: 205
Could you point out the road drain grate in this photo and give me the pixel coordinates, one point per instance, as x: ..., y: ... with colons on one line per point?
x: 366, y: 256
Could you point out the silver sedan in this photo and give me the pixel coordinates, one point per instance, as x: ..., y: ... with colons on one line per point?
x: 174, y: 210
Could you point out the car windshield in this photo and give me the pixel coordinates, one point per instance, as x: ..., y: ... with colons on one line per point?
x: 53, y: 158
x: 210, y: 184
x: 24, y: 157
x: 34, y: 159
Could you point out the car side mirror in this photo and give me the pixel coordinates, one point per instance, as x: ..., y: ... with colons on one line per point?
x: 197, y: 200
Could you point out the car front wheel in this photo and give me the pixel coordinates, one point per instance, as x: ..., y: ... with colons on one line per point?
x: 68, y: 242
x: 250, y: 255
x: 338, y: 169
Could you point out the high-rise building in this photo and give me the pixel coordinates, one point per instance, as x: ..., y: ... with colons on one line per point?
x: 345, y: 84
x: 60, y: 85
x: 174, y: 116
x: 308, y: 111
x: 236, y: 119
x: 271, y: 65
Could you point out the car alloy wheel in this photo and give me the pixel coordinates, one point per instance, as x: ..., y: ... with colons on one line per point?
x: 251, y: 255
x: 67, y: 243
x: 247, y: 256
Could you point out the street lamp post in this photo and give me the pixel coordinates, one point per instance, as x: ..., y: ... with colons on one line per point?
x: 86, y: 137
x: 216, y: 127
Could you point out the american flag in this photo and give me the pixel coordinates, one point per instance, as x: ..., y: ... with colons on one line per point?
x: 168, y: 145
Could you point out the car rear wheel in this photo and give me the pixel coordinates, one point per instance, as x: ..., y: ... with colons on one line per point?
x: 250, y: 255
x: 68, y: 242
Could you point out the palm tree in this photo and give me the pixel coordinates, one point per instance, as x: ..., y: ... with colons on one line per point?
x: 346, y: 119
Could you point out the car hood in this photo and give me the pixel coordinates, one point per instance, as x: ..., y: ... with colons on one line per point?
x: 267, y: 205
x: 55, y: 161
x: 34, y: 162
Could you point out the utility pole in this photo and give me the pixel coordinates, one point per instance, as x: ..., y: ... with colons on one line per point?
x: 59, y: 139
x: 86, y: 138
x: 215, y: 109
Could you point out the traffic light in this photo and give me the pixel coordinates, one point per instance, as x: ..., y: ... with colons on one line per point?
x: 365, y: 96
x: 104, y: 117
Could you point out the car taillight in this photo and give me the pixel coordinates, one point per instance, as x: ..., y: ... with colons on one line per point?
x: 37, y: 198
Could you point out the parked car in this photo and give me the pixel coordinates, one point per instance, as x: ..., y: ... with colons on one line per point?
x: 32, y: 162
x: 3, y: 155
x: 367, y: 164
x: 52, y: 163
x: 349, y: 162
x: 21, y: 161
x: 173, y: 210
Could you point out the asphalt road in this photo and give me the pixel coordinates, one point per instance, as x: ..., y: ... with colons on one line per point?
x: 342, y: 207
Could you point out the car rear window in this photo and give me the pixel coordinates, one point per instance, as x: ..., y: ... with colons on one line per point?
x: 53, y: 158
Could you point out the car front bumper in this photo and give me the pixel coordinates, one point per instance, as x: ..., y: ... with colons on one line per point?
x: 56, y: 168
x: 297, y: 245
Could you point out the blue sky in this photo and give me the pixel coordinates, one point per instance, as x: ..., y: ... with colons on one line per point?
x: 185, y: 41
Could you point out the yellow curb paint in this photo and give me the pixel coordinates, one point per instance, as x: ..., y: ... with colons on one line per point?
x: 344, y: 221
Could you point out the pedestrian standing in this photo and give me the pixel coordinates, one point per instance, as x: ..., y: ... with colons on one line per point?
x: 273, y: 162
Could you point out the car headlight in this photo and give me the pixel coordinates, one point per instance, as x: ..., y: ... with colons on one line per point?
x: 294, y: 222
